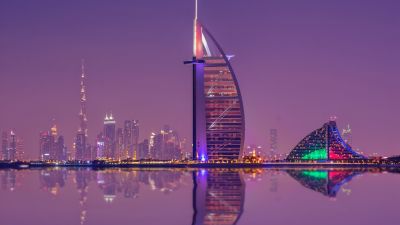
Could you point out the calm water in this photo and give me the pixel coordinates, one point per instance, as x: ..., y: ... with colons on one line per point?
x: 214, y: 196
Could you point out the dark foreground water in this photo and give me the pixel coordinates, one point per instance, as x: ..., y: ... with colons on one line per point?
x: 205, y: 196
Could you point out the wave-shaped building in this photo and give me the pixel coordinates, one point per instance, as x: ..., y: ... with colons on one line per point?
x: 218, y: 115
x: 324, y: 144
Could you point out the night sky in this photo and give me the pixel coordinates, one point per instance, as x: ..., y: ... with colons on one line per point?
x: 297, y: 62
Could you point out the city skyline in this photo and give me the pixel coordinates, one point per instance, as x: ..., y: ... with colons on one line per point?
x: 362, y: 75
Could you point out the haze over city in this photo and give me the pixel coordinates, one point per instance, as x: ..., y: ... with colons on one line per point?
x: 297, y: 64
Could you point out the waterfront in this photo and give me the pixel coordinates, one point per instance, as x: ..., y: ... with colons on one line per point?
x: 199, y: 196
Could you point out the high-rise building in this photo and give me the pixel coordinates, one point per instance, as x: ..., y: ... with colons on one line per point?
x: 80, y: 146
x: 81, y: 143
x: 131, y: 138
x: 52, y: 146
x: 12, y: 150
x: 4, y: 145
x: 165, y: 145
x: 100, y: 146
x: 45, y: 143
x: 273, y: 138
x: 20, y: 149
x: 109, y: 137
x: 83, y: 98
x: 143, y: 149
x: 9, y: 144
x: 120, y: 143
x: 61, y: 149
x: 218, y: 114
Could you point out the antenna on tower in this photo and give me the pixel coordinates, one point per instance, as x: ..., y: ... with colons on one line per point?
x: 196, y: 9
x: 83, y: 67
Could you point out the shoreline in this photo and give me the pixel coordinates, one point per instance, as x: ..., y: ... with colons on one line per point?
x: 278, y: 165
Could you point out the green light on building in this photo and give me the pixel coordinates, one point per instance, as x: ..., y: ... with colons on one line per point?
x: 317, y: 154
x: 316, y: 174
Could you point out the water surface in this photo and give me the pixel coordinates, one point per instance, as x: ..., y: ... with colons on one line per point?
x: 201, y: 196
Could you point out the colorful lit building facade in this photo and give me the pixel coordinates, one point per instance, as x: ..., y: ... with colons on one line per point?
x: 324, y: 144
x: 218, y: 115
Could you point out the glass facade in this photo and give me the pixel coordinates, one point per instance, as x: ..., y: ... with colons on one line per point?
x: 221, y: 102
x: 323, y: 144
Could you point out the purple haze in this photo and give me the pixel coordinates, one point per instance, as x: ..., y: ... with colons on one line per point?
x: 297, y: 62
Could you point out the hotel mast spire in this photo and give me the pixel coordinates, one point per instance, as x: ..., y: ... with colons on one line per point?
x: 195, y: 28
x: 82, y: 113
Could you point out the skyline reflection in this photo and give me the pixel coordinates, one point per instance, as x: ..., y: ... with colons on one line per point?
x: 218, y: 196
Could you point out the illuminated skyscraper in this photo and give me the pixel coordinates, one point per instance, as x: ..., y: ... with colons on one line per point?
x: 12, y: 150
x: 143, y: 150
x: 131, y: 138
x: 100, y: 145
x: 109, y: 137
x: 82, y: 113
x: 218, y: 114
x: 81, y: 148
x: 9, y: 146
x: 165, y: 145
x: 4, y: 145
x: 45, y: 143
x: 51, y: 145
x: 120, y: 143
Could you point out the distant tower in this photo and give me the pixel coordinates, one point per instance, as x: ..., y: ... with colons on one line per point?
x: 45, y: 143
x: 109, y: 135
x: 82, y: 134
x: 346, y: 135
x: 273, y: 133
x: 4, y: 145
x: 120, y: 143
x: 82, y: 113
x: 12, y: 151
x: 131, y: 138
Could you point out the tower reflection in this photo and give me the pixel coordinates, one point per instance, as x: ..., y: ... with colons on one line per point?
x: 327, y: 182
x: 52, y: 180
x: 218, y: 196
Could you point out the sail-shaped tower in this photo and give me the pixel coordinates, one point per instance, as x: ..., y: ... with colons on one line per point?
x: 218, y: 114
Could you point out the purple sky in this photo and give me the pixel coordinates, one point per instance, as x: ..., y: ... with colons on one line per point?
x: 297, y: 61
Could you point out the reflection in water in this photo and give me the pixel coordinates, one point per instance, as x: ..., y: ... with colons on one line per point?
x: 8, y: 180
x: 327, y: 182
x: 218, y: 196
x: 82, y: 179
x: 53, y: 180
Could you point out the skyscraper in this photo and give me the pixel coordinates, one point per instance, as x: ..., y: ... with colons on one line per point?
x: 218, y: 114
x: 166, y: 145
x: 82, y: 113
x: 109, y: 137
x: 143, y: 149
x: 100, y: 146
x: 51, y: 145
x: 4, y: 145
x: 45, y: 144
x: 9, y: 146
x: 81, y: 142
x: 12, y: 150
x: 120, y: 143
x: 131, y: 138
